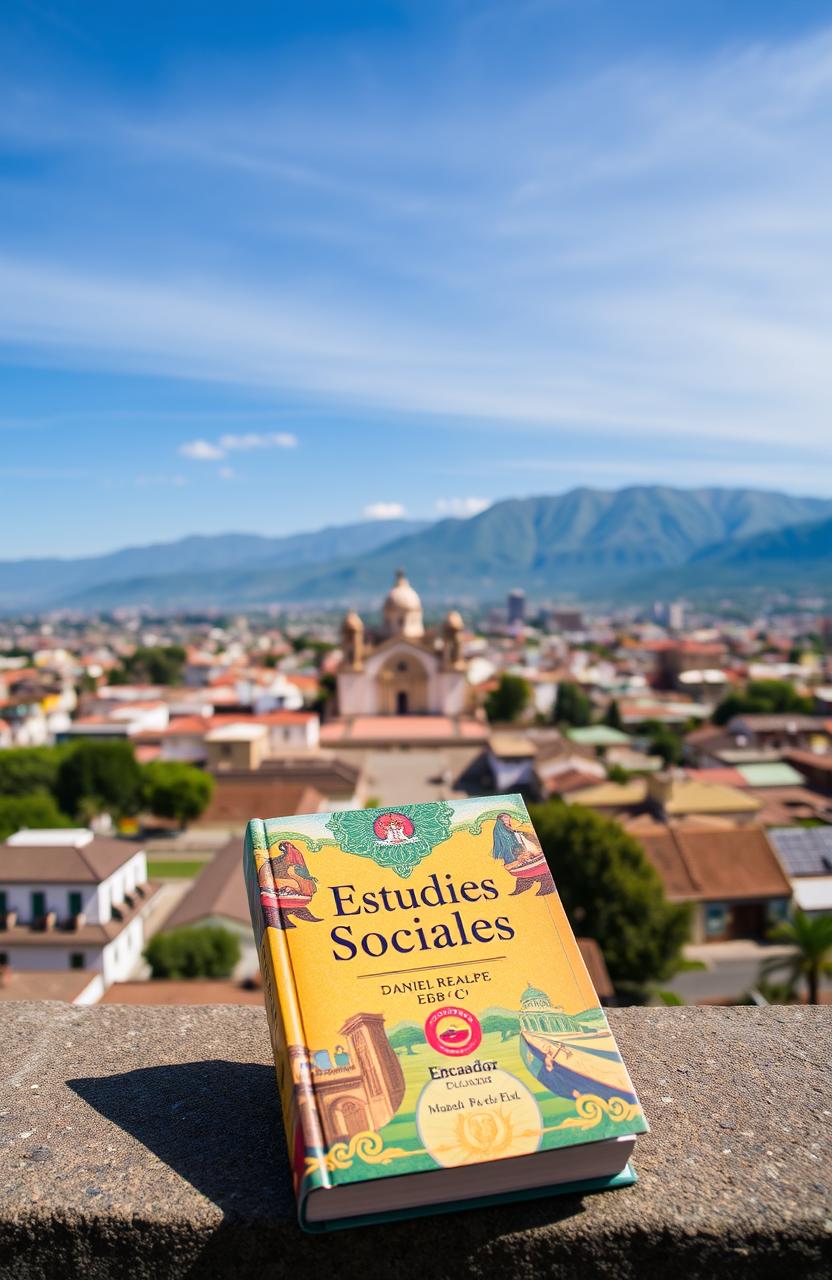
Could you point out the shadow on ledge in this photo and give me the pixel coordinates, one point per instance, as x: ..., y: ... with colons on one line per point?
x: 218, y: 1125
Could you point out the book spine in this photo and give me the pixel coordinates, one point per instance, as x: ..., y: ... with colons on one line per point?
x: 304, y: 1133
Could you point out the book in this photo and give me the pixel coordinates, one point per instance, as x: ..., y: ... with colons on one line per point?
x: 437, y: 1039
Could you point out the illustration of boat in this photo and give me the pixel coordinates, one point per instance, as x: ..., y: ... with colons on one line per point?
x: 576, y: 1064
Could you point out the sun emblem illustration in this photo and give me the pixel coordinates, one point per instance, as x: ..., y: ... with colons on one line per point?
x: 487, y: 1117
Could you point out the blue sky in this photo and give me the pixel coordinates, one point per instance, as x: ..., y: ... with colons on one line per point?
x: 272, y: 266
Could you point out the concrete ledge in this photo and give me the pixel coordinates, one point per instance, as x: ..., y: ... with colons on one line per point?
x: 142, y: 1142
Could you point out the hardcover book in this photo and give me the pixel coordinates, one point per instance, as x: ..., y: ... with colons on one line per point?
x: 437, y: 1039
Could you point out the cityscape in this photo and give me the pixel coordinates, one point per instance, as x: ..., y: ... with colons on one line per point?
x: 134, y: 748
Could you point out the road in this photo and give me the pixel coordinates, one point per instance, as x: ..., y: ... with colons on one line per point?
x: 733, y: 969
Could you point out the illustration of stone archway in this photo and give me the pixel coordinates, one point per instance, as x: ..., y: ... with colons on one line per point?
x: 347, y: 1116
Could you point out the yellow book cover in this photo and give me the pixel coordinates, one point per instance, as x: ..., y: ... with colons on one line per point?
x: 428, y: 1005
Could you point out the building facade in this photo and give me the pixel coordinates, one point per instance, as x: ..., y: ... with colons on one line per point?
x: 70, y: 900
x: 402, y: 669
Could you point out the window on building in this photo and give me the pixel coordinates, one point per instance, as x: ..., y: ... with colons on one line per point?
x: 4, y: 959
x: 77, y: 960
x: 38, y: 905
x: 76, y: 904
x: 778, y: 910
x: 3, y: 904
x: 716, y: 919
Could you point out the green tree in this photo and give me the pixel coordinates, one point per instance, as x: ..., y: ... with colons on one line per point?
x: 174, y: 790
x: 616, y: 773
x: 663, y: 741
x: 196, y: 951
x: 508, y: 1024
x: 27, y: 769
x: 151, y: 664
x: 37, y: 809
x: 406, y: 1037
x: 509, y: 700
x: 612, y: 893
x: 572, y: 706
x: 763, y: 697
x: 99, y: 777
x: 811, y: 959
x: 327, y: 689
x: 612, y: 716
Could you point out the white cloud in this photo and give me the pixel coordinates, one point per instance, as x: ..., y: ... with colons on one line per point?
x: 206, y: 451
x: 257, y: 440
x: 384, y: 511
x: 462, y: 507
x: 226, y: 473
x: 202, y: 450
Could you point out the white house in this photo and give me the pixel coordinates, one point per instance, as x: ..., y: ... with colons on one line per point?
x: 72, y: 900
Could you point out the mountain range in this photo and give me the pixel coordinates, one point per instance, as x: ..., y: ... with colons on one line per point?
x: 641, y: 542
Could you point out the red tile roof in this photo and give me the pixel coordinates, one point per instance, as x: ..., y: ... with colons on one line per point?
x: 725, y: 777
x: 715, y: 865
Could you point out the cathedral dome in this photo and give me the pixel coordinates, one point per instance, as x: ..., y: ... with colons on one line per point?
x: 533, y: 995
x: 403, y: 609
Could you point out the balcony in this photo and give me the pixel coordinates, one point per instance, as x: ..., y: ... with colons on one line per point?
x: 138, y: 1142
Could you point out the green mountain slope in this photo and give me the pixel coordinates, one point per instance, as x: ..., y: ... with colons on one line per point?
x: 797, y: 557
x: 43, y: 583
x: 587, y: 541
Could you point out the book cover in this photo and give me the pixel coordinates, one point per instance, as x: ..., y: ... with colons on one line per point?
x: 427, y: 1002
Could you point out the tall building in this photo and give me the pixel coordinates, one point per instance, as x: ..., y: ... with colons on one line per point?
x: 402, y: 669
x: 516, y: 606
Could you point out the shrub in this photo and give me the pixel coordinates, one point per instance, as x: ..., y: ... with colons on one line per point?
x: 199, y: 951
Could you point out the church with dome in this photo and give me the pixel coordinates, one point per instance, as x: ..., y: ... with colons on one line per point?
x: 402, y: 668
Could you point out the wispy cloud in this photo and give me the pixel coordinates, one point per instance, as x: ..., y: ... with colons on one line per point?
x: 463, y: 507
x: 201, y: 451
x: 384, y: 511
x: 641, y: 249
x: 213, y: 451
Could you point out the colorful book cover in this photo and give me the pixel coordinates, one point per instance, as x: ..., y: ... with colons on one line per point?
x: 427, y: 1002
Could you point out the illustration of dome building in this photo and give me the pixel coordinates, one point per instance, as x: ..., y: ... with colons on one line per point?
x: 402, y: 669
x: 538, y: 1014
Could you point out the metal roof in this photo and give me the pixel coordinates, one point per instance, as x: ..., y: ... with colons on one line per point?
x: 776, y: 774
x: 803, y: 851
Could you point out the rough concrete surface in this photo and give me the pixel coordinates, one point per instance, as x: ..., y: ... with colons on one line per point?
x: 147, y: 1142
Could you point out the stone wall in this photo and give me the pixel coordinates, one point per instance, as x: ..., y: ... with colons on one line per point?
x: 146, y: 1142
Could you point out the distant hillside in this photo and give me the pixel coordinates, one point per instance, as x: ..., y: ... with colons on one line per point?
x: 587, y: 542
x: 44, y: 583
x: 797, y: 555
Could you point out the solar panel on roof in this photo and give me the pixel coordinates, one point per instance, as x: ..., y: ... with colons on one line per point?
x: 804, y: 851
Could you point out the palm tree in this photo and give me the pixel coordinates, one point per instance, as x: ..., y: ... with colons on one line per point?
x: 811, y: 938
